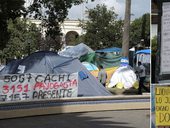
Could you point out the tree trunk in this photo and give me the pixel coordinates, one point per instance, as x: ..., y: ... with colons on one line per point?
x: 125, y: 45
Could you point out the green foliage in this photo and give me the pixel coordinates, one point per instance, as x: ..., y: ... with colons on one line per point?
x: 154, y: 45
x: 140, y: 29
x: 9, y: 9
x: 52, y: 13
x: 102, y: 28
x: 23, y: 38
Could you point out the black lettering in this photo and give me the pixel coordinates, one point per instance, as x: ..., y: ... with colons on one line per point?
x: 11, y: 97
x: 69, y: 92
x: 61, y: 77
x: 53, y: 94
x: 36, y: 78
x: 17, y: 97
x: 167, y: 100
x: 29, y: 77
x: 13, y: 78
x: 158, y: 99
x: 41, y: 95
x: 35, y: 95
x: 68, y: 77
x: 7, y: 78
x: 61, y: 95
x: 49, y: 94
x: 47, y: 78
x: 164, y: 117
x: 53, y: 78
x: 3, y: 97
x: 26, y: 96
x: 167, y: 117
x: 45, y: 95
x: 57, y: 94
x: 21, y: 78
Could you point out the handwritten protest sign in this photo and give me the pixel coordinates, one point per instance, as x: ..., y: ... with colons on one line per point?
x: 165, y: 38
x: 19, y: 87
x: 162, y: 105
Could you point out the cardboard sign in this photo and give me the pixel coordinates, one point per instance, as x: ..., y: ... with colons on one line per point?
x: 162, y: 105
x: 19, y: 87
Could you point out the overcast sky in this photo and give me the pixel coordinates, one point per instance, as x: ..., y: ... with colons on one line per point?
x: 138, y: 8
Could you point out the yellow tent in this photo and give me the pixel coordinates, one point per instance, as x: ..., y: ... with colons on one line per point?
x: 109, y: 72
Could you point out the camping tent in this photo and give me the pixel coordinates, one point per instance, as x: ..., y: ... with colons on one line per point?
x: 52, y: 63
x: 123, y: 77
x: 144, y: 57
x: 108, y: 57
x: 76, y: 51
x: 115, y: 50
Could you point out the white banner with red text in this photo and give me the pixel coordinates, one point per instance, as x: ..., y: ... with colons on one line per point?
x: 20, y: 87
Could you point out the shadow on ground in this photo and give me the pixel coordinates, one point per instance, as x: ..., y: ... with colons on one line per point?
x: 117, y: 91
x: 76, y: 120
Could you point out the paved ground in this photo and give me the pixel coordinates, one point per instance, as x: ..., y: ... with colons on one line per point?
x: 104, y: 119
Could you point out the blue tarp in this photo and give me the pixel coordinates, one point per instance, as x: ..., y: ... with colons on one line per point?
x: 146, y: 51
x: 51, y: 63
x: 90, y: 66
x: 113, y: 49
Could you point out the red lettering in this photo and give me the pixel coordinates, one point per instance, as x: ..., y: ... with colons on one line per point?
x: 65, y: 85
x: 26, y: 88
x: 74, y: 82
x: 56, y: 85
x: 43, y: 86
x: 51, y: 85
x: 5, y: 89
x: 13, y: 88
x: 19, y: 87
x: 38, y: 85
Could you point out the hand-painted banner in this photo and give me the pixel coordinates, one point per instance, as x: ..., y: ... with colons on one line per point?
x: 162, y: 105
x: 19, y: 87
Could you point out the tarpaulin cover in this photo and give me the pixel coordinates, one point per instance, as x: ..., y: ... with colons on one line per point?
x: 76, y: 51
x: 124, y: 76
x: 143, y: 56
x: 90, y: 66
x: 146, y: 51
x: 52, y: 63
x: 107, y: 59
x: 113, y: 49
x: 90, y: 57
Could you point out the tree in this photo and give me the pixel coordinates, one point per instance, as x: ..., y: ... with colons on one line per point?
x: 23, y: 38
x: 154, y: 45
x: 125, y: 44
x: 9, y: 9
x: 102, y: 29
x: 52, y: 13
x: 140, y: 31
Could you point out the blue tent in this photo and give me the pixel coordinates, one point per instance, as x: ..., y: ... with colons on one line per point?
x: 90, y: 66
x: 51, y: 62
x: 145, y: 51
x: 113, y: 49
